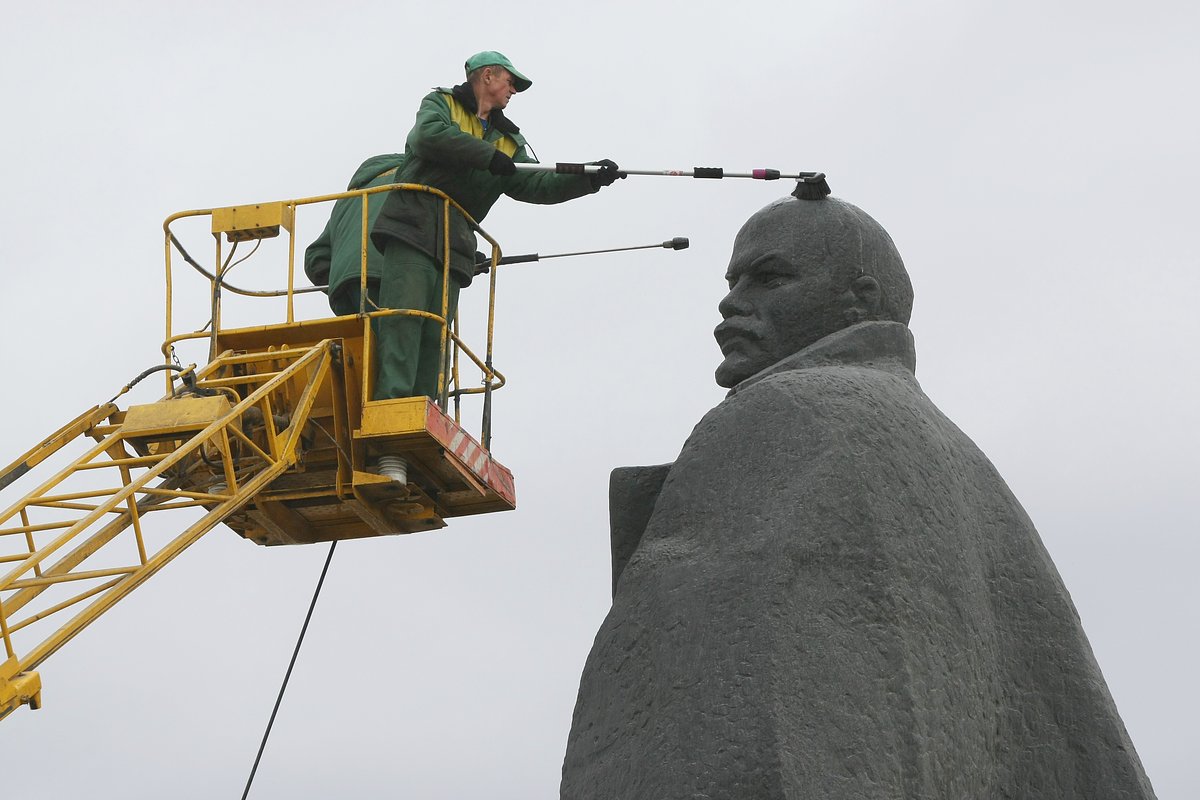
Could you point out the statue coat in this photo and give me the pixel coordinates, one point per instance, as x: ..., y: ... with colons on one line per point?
x: 831, y: 594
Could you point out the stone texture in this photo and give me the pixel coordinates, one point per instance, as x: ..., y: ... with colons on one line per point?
x: 830, y: 594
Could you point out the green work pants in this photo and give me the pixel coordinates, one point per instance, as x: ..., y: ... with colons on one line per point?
x: 407, y: 348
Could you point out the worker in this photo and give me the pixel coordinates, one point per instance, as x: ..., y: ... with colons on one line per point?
x: 334, y: 259
x: 464, y: 145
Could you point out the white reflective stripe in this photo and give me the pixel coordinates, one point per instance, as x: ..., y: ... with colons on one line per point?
x: 480, y: 463
x: 469, y: 452
x: 456, y: 441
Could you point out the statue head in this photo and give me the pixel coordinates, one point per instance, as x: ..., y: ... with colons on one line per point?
x: 801, y: 270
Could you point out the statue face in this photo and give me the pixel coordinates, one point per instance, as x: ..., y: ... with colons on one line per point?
x: 783, y: 295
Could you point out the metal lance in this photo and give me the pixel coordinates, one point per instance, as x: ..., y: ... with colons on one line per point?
x: 811, y: 182
x: 678, y: 243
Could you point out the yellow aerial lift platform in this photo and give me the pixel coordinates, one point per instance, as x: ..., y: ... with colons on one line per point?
x: 276, y: 436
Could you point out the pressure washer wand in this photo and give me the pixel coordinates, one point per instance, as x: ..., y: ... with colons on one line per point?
x: 678, y: 243
x: 814, y: 181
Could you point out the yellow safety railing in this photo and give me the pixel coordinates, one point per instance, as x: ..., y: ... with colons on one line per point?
x: 452, y: 345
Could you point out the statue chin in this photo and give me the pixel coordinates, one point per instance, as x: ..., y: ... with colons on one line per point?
x: 735, y: 369
x: 727, y: 376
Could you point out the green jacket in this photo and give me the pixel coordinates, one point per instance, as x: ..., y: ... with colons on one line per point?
x: 335, y: 258
x: 449, y: 150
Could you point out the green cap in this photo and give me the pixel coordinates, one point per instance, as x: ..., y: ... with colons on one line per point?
x: 490, y: 58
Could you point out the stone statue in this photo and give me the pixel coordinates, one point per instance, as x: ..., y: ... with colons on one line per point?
x: 831, y: 594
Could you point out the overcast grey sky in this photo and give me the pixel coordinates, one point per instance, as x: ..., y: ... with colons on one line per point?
x: 1035, y: 162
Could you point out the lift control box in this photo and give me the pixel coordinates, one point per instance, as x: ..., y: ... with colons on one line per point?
x: 258, y: 221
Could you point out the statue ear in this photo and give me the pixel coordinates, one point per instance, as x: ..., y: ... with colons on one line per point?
x: 868, y: 296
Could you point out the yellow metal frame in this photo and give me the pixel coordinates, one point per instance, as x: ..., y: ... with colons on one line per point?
x: 283, y: 213
x: 237, y: 442
x: 154, y: 465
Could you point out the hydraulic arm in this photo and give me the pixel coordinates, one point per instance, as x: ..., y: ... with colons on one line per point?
x: 276, y: 437
x: 81, y: 540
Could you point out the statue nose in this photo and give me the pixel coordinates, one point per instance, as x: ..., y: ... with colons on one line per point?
x: 734, y: 304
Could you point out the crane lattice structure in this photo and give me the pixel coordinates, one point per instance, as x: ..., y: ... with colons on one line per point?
x: 275, y: 437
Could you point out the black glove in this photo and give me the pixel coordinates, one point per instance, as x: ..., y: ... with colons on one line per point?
x: 502, y: 164
x: 483, y: 263
x: 609, y: 172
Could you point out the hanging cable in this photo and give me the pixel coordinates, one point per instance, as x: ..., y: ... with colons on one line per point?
x: 287, y: 676
x: 188, y: 374
x: 228, y: 266
x: 246, y: 292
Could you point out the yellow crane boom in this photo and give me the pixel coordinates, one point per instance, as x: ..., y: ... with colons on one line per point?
x: 274, y: 437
